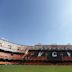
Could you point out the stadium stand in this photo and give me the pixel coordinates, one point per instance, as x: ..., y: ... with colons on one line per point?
x: 11, y: 53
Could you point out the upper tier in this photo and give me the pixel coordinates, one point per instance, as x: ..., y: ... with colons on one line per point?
x: 9, y: 46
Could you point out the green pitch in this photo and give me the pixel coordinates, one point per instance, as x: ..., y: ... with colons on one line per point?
x: 34, y: 68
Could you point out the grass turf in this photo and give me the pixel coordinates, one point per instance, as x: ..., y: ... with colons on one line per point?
x: 34, y: 68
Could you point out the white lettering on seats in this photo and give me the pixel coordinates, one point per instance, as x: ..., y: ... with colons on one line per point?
x: 69, y: 54
x: 40, y: 53
x: 54, y: 54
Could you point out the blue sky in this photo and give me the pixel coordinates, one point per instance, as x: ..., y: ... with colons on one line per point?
x: 36, y: 21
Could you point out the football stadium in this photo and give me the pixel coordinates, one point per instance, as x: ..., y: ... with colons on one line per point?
x: 11, y: 53
x: 35, y: 35
x: 37, y: 58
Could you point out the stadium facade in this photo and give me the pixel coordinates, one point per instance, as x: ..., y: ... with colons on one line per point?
x: 11, y: 53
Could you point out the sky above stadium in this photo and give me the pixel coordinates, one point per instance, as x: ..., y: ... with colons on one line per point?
x: 36, y: 21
